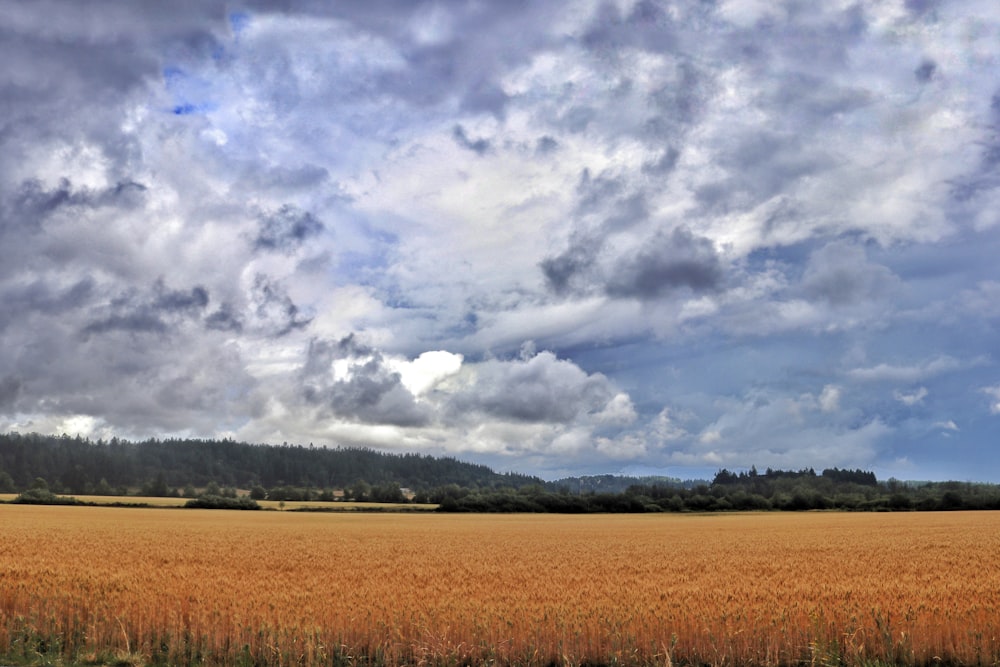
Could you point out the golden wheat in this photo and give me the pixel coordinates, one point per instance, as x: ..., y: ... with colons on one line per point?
x: 183, y: 587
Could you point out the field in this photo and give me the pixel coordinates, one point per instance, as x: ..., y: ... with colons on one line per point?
x: 338, y: 506
x: 134, y: 586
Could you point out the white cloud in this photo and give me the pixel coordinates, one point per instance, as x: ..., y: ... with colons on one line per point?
x: 829, y: 398
x: 915, y: 397
x: 994, y: 394
x: 427, y: 370
x: 892, y: 373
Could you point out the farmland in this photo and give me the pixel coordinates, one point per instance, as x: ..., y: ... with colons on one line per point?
x: 144, y: 585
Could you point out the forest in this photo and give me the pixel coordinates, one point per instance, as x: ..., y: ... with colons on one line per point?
x: 45, y: 468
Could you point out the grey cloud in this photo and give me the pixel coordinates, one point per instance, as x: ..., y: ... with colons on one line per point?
x: 372, y: 393
x: 465, y: 61
x: 572, y: 269
x: 577, y: 118
x: 594, y: 191
x: 286, y: 229
x: 667, y: 263
x: 664, y: 165
x: 921, y: 6
x: 884, y: 372
x: 280, y: 178
x: 679, y: 104
x: 925, y: 72
x: 158, y: 312
x: 546, y: 145
x: 479, y: 146
x: 646, y: 26
x: 10, y: 388
x: 539, y: 389
x: 136, y: 322
x: 486, y: 96
x: 194, y: 299
x: 840, y: 274
x: 20, y: 302
x: 224, y: 319
x: 31, y: 204
x: 761, y: 165
x: 613, y: 199
x: 985, y: 176
x: 276, y: 313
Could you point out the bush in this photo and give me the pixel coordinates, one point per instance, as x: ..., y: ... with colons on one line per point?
x: 213, y: 502
x: 38, y: 496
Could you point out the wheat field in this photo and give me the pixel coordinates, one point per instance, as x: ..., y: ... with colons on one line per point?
x: 156, y: 586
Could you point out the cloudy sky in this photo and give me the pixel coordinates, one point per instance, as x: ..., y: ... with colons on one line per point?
x: 556, y: 238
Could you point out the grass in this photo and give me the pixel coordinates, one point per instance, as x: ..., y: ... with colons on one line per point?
x: 288, y: 505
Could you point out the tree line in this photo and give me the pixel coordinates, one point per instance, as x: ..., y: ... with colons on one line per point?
x: 52, y: 468
x: 75, y: 465
x: 782, y: 490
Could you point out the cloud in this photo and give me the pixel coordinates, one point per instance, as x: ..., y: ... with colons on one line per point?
x: 994, y: 394
x: 478, y: 146
x: 665, y: 264
x: 916, y: 397
x: 286, y: 228
x: 948, y: 425
x: 892, y: 373
x: 427, y: 370
x: 350, y: 380
x: 542, y: 388
x: 274, y: 311
x: 829, y: 399
x: 674, y: 203
x: 840, y: 274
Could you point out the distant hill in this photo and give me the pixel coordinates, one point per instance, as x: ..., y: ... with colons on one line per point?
x: 77, y: 465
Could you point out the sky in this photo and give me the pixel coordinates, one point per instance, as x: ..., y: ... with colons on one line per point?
x: 557, y: 238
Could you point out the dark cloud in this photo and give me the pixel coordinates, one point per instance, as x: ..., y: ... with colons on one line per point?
x: 21, y: 302
x: 646, y: 26
x: 613, y: 199
x: 31, y: 203
x: 10, y: 388
x: 568, y: 271
x: 193, y: 300
x: 920, y: 7
x: 925, y: 72
x: 159, y: 312
x: 274, y: 310
x: 984, y: 176
x: 286, y: 229
x: 142, y: 321
x: 546, y: 145
x: 370, y: 393
x: 667, y: 263
x: 478, y: 146
x: 664, y: 165
x: 486, y: 96
x: 678, y: 105
x: 577, y: 118
x: 594, y: 191
x: 224, y: 319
